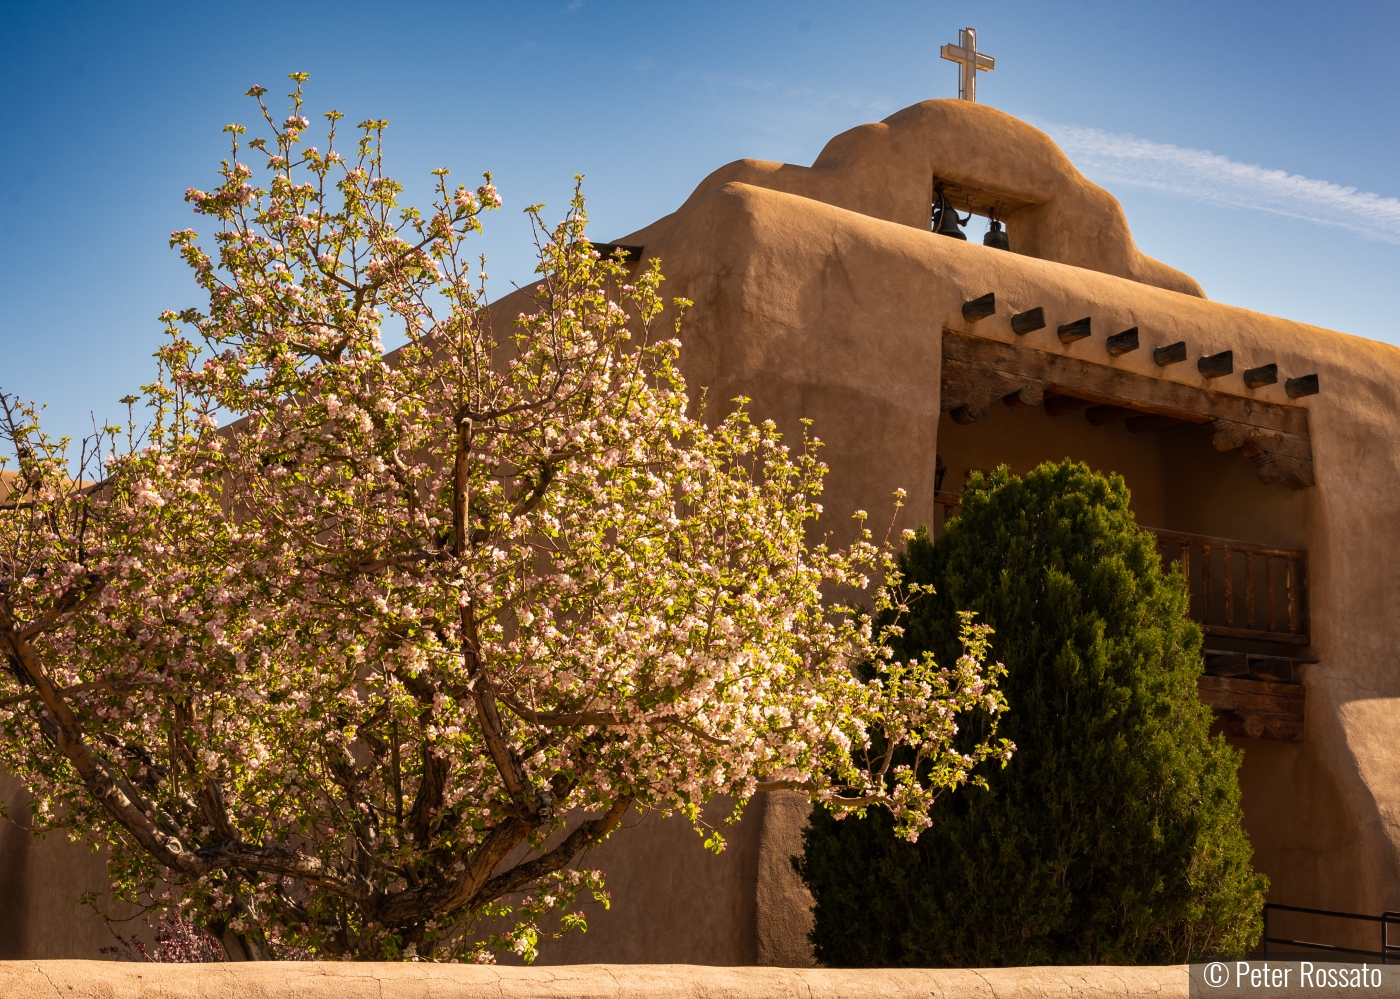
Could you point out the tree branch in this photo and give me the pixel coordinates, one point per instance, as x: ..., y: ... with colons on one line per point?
x: 586, y: 835
x: 73, y: 599
x: 768, y: 786
x: 110, y: 686
x: 105, y: 786
x: 282, y: 860
x: 433, y: 900
x: 139, y: 817
x: 599, y: 719
x: 429, y: 797
x: 211, y: 792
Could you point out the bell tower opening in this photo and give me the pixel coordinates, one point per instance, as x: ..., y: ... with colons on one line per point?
x: 950, y: 199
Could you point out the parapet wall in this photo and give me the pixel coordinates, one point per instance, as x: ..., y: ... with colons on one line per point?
x: 314, y: 980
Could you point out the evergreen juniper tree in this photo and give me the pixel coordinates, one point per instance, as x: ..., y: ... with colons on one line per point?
x: 1114, y: 835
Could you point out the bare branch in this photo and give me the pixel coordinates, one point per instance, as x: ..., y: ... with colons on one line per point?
x: 589, y: 834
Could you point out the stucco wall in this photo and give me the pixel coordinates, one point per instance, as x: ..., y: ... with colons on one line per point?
x: 672, y: 900
x: 1177, y: 479
x: 88, y: 980
x: 40, y: 881
x: 887, y: 170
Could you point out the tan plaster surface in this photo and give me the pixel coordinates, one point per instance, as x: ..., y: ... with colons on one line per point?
x: 673, y: 900
x: 887, y: 169
x: 783, y: 905
x: 40, y: 881
x: 275, y: 980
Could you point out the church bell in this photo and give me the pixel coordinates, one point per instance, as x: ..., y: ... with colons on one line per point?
x: 996, y: 237
x: 945, y: 217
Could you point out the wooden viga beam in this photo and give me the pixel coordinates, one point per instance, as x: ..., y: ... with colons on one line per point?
x: 1257, y: 709
x: 978, y: 373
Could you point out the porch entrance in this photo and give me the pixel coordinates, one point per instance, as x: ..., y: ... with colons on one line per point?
x: 1235, y: 527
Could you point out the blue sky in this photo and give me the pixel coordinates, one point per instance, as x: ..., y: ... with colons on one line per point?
x: 1253, y: 145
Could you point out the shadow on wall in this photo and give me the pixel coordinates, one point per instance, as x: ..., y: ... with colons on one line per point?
x: 41, y: 880
x: 1177, y: 479
x: 672, y: 901
x: 14, y: 875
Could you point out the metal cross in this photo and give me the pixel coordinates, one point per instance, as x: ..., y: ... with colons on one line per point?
x: 965, y: 53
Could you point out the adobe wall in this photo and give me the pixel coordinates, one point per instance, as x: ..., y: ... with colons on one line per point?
x: 672, y: 900
x: 274, y: 980
x: 40, y: 881
x: 887, y: 170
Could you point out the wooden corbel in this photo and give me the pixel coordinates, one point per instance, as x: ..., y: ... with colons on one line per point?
x: 970, y: 390
x: 1279, y: 456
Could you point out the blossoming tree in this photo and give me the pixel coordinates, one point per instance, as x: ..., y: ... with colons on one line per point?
x: 365, y: 672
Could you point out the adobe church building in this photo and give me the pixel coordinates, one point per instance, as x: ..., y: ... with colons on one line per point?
x: 1265, y: 454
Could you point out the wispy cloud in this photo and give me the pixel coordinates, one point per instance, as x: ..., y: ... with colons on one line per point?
x: 800, y: 116
x: 1110, y: 159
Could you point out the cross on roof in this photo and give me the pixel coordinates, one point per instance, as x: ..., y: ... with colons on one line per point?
x: 965, y: 53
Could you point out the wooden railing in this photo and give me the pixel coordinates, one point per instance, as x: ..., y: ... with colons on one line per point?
x: 1238, y: 589
x: 1272, y: 604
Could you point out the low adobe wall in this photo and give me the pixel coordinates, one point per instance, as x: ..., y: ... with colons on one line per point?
x: 273, y: 980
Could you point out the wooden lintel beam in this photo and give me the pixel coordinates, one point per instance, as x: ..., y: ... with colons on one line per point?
x: 1278, y: 456
x: 969, y: 390
x: 1229, y: 435
x: 1104, y: 383
x: 1256, y: 709
x: 978, y: 371
x: 979, y: 201
x: 1227, y: 664
x: 1254, y: 634
x: 1254, y: 695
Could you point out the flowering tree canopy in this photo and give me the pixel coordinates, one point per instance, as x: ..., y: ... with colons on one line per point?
x: 366, y: 671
